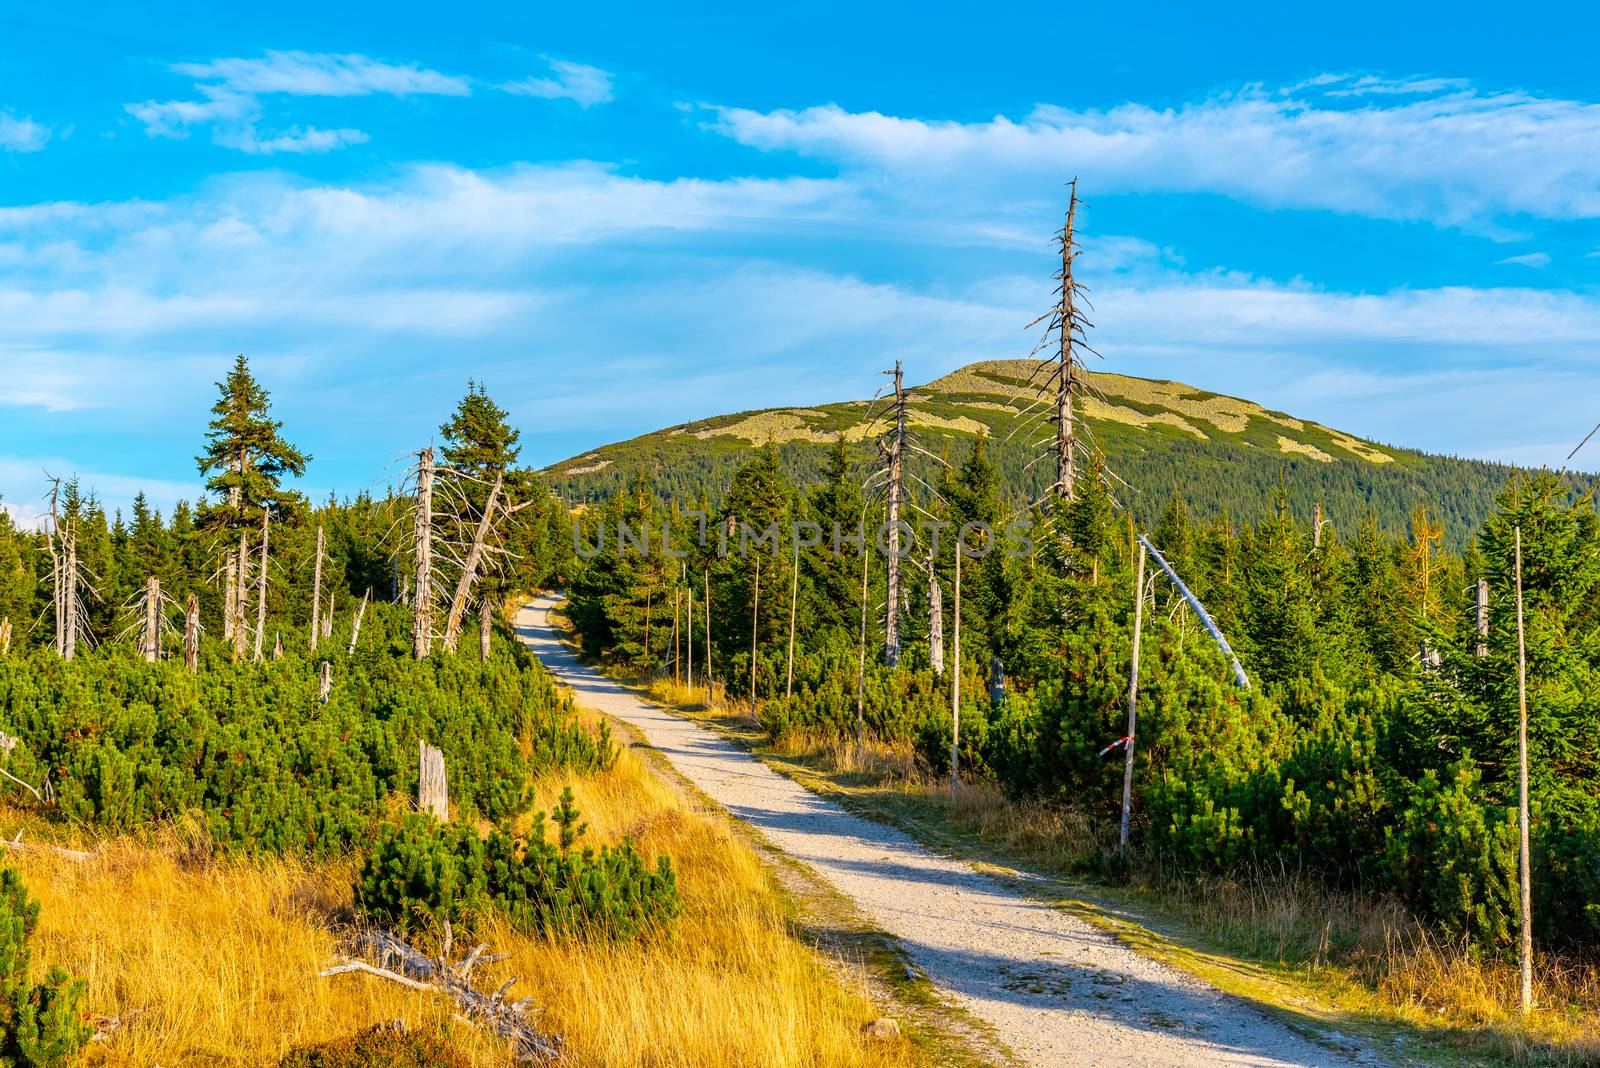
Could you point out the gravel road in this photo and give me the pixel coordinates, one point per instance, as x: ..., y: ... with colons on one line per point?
x: 1056, y: 990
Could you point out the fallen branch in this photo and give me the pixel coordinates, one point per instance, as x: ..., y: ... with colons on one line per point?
x: 416, y: 971
x: 19, y: 846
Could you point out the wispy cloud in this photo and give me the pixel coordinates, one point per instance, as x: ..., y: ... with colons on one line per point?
x: 1528, y: 259
x: 322, y: 74
x: 231, y: 90
x: 584, y: 85
x: 21, y: 135
x: 1421, y: 149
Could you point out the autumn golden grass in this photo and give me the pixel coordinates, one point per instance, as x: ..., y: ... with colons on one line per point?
x: 214, y: 961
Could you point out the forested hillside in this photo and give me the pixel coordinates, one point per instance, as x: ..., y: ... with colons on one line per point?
x: 1223, y: 455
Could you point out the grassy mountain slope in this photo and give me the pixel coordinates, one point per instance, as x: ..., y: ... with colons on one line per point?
x: 1225, y: 455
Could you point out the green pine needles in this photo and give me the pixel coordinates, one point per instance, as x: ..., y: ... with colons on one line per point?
x: 41, y: 1024
x: 422, y: 874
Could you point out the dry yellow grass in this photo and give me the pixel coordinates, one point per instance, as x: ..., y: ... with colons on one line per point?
x: 1304, y: 449
x: 213, y: 962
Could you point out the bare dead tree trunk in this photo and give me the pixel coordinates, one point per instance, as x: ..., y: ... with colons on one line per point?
x: 485, y: 628
x: 755, y: 627
x: 261, y: 586
x: 1525, y: 943
x: 955, y: 690
x: 5, y: 636
x: 433, y: 790
x: 355, y: 624
x: 897, y: 441
x: 151, y: 646
x: 1316, y: 527
x: 861, y: 666
x: 1133, y: 703
x: 1066, y: 369
x: 469, y: 568
x: 316, y: 594
x: 325, y: 683
x: 230, y: 596
x: 1482, y: 607
x: 421, y: 613
x: 240, y: 597
x: 191, y: 635
x: 935, y: 621
x: 794, y: 600
x: 69, y: 596
x: 327, y: 616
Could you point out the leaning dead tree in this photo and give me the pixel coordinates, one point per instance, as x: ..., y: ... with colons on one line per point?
x: 384, y: 956
x: 470, y: 565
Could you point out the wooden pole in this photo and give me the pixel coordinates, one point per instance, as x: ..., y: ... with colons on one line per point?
x: 648, y: 665
x: 469, y: 567
x: 191, y: 635
x: 355, y: 624
x: 677, y: 596
x: 261, y: 590
x: 1133, y: 703
x: 316, y: 594
x: 1524, y: 873
x: 688, y: 642
x: 891, y: 625
x: 421, y: 614
x: 861, y: 668
x: 152, y: 619
x: 1200, y: 611
x: 755, y: 624
x: 955, y: 693
x: 794, y: 600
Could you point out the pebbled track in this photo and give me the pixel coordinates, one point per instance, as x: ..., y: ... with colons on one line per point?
x: 1056, y: 990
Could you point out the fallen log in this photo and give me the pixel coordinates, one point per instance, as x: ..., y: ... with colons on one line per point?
x: 400, y: 963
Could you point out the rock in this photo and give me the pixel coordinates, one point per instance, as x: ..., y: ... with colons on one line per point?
x: 884, y: 1028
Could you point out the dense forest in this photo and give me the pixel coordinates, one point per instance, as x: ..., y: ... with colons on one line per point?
x: 1376, y: 744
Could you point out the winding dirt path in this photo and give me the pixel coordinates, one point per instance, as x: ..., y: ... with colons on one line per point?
x: 1056, y: 990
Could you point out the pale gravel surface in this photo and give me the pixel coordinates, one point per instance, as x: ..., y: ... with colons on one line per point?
x: 1056, y: 990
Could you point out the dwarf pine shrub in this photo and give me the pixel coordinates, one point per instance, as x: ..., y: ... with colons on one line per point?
x: 421, y: 874
x: 41, y: 1024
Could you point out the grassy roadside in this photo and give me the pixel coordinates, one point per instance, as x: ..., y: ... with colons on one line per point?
x: 1338, y: 967
x: 211, y: 960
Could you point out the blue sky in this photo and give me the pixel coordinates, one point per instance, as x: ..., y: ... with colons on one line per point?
x: 622, y: 217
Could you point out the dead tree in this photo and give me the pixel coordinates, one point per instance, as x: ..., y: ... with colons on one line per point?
x: 230, y: 595
x: 395, y: 961
x: 69, y: 584
x: 316, y: 594
x: 896, y: 459
x: 422, y: 608
x: 355, y: 624
x: 1068, y: 318
x: 191, y: 635
x: 5, y: 636
x: 469, y: 567
x: 327, y: 617
x: 433, y: 790
x: 1482, y: 608
x: 485, y: 628
x: 261, y: 590
x: 151, y: 645
x: 935, y: 621
x: 324, y: 683
x: 241, y: 632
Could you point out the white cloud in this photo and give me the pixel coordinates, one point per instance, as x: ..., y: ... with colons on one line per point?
x: 578, y: 82
x: 21, y: 135
x: 1430, y: 149
x: 1529, y: 259
x: 323, y: 74
x: 230, y: 91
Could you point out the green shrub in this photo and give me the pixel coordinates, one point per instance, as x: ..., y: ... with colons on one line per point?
x: 41, y: 1025
x: 421, y: 874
